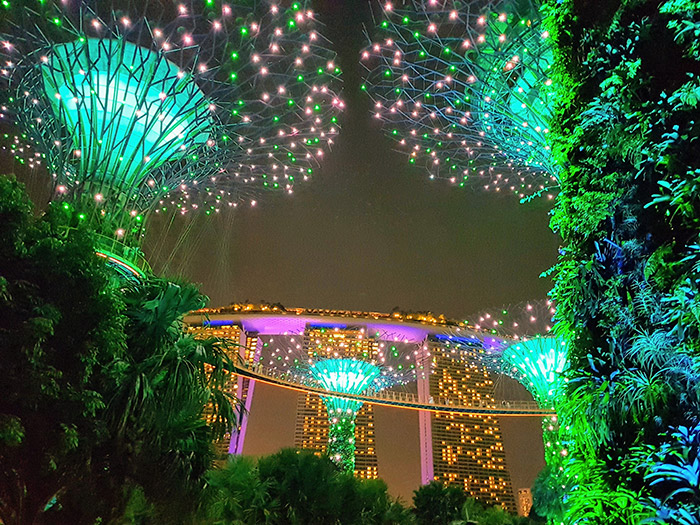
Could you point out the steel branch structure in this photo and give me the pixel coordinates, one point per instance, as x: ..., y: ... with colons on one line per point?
x: 136, y: 107
x: 463, y: 88
x: 349, y: 376
x: 539, y: 365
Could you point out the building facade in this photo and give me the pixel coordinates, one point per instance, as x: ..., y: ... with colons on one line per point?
x: 462, y: 450
x: 442, y: 361
x: 238, y: 344
x: 524, y: 502
x: 311, y: 432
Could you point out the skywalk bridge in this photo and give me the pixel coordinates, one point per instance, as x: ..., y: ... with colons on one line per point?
x: 392, y: 398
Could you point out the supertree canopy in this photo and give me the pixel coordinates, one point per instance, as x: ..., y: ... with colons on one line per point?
x: 539, y: 365
x: 464, y: 88
x: 137, y: 107
x: 336, y: 363
x: 348, y: 376
x: 131, y: 115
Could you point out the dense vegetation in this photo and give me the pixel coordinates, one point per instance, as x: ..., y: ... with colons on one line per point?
x: 627, y: 282
x: 297, y: 487
x: 102, y: 392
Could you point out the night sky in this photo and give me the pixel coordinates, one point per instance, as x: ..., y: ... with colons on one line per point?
x: 369, y: 233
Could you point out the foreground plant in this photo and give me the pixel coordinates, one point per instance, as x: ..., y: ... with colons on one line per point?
x: 102, y: 393
x: 628, y: 277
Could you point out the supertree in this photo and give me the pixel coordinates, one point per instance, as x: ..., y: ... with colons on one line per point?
x: 539, y: 365
x: 349, y: 376
x: 339, y: 367
x: 464, y: 88
x: 134, y: 107
x: 536, y: 358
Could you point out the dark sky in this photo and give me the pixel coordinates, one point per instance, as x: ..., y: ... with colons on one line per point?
x: 369, y: 234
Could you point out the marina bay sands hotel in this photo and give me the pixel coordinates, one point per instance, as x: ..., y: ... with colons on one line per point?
x: 419, y: 350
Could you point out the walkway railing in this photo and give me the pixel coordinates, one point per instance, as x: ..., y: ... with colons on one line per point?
x: 393, y: 398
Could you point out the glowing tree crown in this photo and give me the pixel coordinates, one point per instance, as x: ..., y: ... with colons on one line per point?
x: 131, y: 109
x: 137, y: 107
x: 464, y: 89
x: 538, y: 364
x: 348, y: 376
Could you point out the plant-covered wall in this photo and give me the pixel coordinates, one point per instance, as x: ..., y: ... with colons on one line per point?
x: 626, y: 134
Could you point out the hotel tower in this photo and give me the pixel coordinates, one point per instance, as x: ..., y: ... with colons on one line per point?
x: 464, y: 450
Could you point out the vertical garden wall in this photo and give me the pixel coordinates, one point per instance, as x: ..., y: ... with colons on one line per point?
x: 626, y: 136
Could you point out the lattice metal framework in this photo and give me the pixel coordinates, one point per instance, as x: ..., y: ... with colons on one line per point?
x: 463, y: 88
x: 134, y: 107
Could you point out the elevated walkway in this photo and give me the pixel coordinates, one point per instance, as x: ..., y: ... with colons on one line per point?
x: 392, y: 398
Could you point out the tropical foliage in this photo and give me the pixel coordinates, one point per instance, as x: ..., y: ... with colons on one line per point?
x: 627, y: 281
x: 296, y: 487
x: 60, y: 324
x: 437, y: 503
x: 103, y: 393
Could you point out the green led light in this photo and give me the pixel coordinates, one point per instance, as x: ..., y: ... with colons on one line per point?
x: 539, y: 365
x: 125, y: 145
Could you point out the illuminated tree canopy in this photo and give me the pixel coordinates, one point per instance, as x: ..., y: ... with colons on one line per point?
x: 349, y: 376
x: 139, y: 107
x: 538, y: 364
x: 464, y: 89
